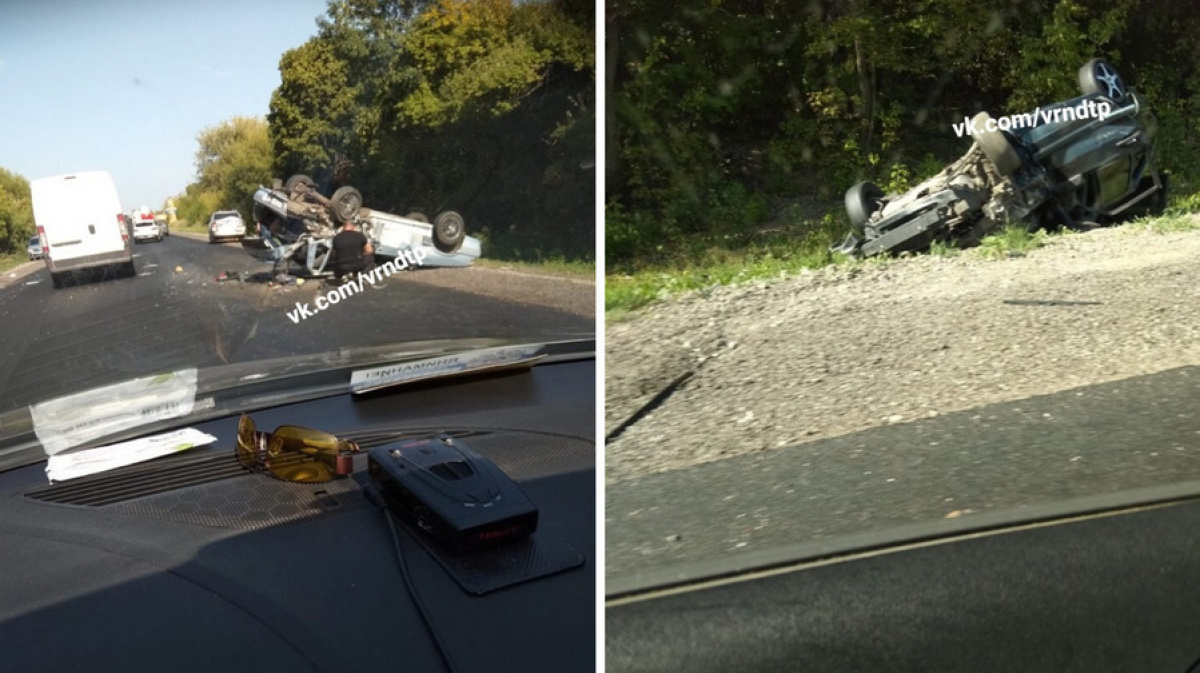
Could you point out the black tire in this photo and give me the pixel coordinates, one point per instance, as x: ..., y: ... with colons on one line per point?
x: 448, y: 231
x: 298, y: 179
x: 996, y: 147
x: 345, y: 204
x: 418, y: 216
x: 211, y: 240
x: 56, y: 279
x: 862, y: 200
x: 128, y: 269
x: 1098, y: 76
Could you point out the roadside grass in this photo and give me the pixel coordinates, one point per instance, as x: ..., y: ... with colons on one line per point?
x: 1012, y: 241
x: 627, y: 289
x: 12, y: 261
x: 944, y: 249
x: 1170, y: 223
x: 184, y: 225
x: 554, y: 266
x: 702, y: 263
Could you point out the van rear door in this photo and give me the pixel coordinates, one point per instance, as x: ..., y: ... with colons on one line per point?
x: 81, y: 217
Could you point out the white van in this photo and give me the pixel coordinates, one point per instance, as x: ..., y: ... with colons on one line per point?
x: 80, y: 222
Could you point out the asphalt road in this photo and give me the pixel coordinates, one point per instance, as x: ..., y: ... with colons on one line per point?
x: 1136, y: 433
x: 55, y: 342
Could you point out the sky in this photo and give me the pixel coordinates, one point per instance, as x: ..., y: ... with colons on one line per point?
x: 126, y: 86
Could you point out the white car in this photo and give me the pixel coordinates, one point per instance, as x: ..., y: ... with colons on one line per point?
x: 225, y: 224
x: 146, y: 230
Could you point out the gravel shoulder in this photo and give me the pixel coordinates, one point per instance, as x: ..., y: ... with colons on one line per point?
x: 570, y: 295
x: 844, y: 349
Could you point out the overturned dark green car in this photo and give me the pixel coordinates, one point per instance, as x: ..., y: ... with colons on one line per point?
x: 1079, y: 163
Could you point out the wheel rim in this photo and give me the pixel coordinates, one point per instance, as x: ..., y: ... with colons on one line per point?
x: 1113, y: 86
x: 349, y: 207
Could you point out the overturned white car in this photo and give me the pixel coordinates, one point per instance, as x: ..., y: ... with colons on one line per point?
x: 296, y: 223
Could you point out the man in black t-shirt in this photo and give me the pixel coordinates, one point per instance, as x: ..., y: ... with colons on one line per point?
x: 352, y: 253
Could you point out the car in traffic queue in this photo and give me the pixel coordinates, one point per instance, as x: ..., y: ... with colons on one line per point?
x: 226, y: 224
x: 35, y: 248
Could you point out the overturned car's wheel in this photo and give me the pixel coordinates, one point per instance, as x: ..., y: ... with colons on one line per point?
x: 298, y: 179
x: 1099, y: 76
x: 996, y: 146
x: 345, y: 204
x: 862, y: 200
x: 448, y: 231
x: 418, y: 216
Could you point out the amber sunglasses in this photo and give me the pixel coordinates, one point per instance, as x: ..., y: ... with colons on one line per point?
x: 293, y: 453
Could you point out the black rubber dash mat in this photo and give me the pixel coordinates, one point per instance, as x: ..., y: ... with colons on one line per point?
x: 248, y: 502
x: 483, y: 572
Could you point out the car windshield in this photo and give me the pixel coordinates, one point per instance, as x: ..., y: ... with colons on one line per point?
x: 880, y: 272
x: 479, y: 116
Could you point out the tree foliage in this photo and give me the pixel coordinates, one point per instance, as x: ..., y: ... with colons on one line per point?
x: 720, y: 107
x: 313, y: 111
x: 16, y: 213
x: 234, y: 158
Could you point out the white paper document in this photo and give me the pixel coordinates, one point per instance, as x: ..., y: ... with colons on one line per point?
x: 63, y: 466
x: 78, y: 418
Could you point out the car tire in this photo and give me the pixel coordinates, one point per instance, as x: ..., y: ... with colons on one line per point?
x: 129, y: 270
x: 56, y: 279
x: 996, y: 147
x: 1098, y: 76
x: 418, y: 216
x: 298, y: 179
x: 345, y: 204
x: 448, y: 231
x: 862, y: 200
x: 211, y: 240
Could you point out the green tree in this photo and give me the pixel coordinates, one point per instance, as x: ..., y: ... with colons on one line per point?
x: 234, y: 158
x: 16, y: 212
x: 313, y: 112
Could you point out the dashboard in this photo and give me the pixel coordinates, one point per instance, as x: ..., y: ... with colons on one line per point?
x: 191, y: 563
